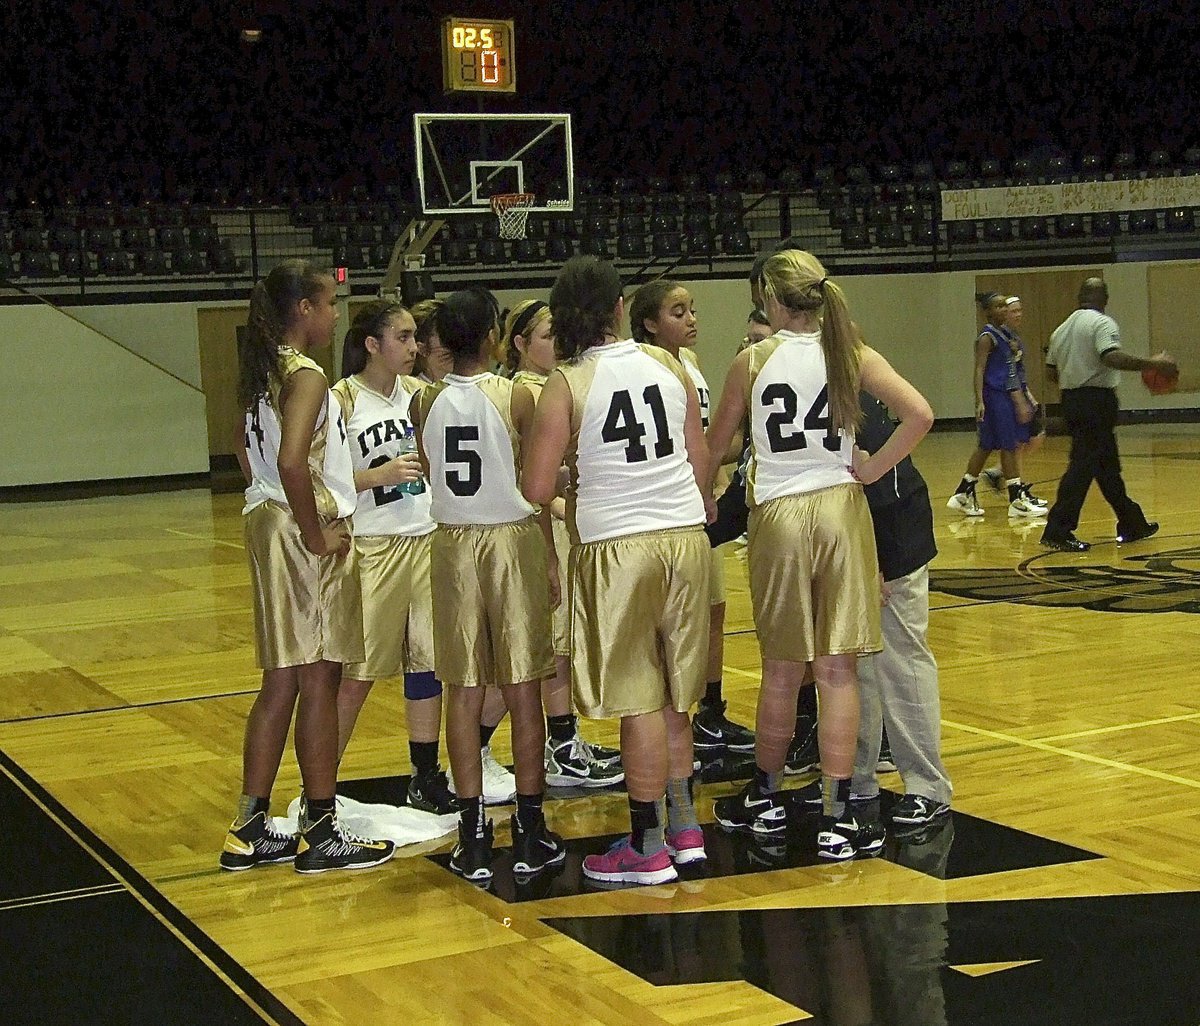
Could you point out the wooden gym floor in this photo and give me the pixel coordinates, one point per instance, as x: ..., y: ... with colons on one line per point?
x: 1064, y: 889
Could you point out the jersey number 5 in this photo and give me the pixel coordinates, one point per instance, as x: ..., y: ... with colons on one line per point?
x: 817, y: 419
x: 622, y: 424
x: 459, y: 483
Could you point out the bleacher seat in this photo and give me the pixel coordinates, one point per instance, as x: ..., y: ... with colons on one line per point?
x: 36, y: 263
x: 736, y: 242
x: 152, y: 262
x: 1059, y: 169
x: 700, y: 243
x: 189, y: 261
x: 962, y: 232
x: 854, y: 236
x: 1091, y: 167
x: 456, y: 251
x: 1124, y: 165
x: 667, y: 244
x: 998, y: 229
x: 489, y: 251
x: 1034, y: 229
x: 526, y: 251
x: 116, y: 262
x: 631, y: 246
x: 29, y: 240
x: 1068, y: 226
x: 1181, y: 219
x: 203, y: 237
x: 842, y: 217
x: 991, y: 171
x: 594, y: 245
x: 1105, y: 225
x: 137, y: 238
x: 559, y: 249
x: 890, y: 235
x: 70, y: 263
x: 1160, y: 164
x: 1143, y: 222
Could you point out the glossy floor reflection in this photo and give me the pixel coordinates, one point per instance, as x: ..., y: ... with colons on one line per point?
x: 955, y: 846
x: 1052, y: 962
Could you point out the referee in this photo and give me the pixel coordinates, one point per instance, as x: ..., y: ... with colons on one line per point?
x: 1085, y: 358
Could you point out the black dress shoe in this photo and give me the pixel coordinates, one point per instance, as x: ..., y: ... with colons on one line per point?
x: 1067, y: 543
x: 1136, y: 533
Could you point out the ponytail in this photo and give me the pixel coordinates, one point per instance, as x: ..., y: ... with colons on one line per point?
x: 581, y: 304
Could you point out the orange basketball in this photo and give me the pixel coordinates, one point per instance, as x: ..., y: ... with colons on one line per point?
x: 1159, y: 383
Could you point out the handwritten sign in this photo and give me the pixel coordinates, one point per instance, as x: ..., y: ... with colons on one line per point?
x: 1070, y: 198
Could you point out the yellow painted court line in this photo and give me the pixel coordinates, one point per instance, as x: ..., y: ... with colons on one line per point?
x: 204, y: 537
x: 55, y: 897
x: 1094, y: 731
x: 1096, y: 760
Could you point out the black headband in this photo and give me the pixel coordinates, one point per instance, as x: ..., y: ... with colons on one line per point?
x: 526, y: 318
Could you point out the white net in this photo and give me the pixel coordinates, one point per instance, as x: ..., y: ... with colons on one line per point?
x: 512, y: 210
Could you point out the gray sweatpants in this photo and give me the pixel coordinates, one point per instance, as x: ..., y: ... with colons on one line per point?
x: 900, y: 684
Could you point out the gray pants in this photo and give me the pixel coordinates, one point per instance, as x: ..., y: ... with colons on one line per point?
x: 900, y: 685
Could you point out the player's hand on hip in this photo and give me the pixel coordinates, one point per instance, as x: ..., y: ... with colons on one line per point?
x: 335, y: 540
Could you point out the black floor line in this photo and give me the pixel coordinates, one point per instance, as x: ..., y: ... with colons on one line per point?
x: 237, y: 974
x: 124, y: 708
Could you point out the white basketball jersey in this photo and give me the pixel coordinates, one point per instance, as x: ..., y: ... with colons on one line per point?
x: 793, y: 449
x: 469, y: 439
x: 377, y: 425
x: 629, y: 471
x: 691, y: 364
x: 329, y: 461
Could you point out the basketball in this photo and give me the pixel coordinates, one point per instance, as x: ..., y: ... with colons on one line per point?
x: 1159, y: 383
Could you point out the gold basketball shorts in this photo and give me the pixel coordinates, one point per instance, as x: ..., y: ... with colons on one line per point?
x: 814, y: 576
x: 306, y: 608
x: 639, y: 622
x: 716, y: 577
x: 397, y: 606
x: 491, y: 604
x: 562, y: 549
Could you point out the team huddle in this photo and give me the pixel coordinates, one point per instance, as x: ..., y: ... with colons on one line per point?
x: 537, y: 538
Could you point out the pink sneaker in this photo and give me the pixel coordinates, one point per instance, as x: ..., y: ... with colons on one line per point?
x: 623, y: 864
x: 686, y: 846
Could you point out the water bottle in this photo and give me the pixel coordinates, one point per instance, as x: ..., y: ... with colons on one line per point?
x: 409, y: 445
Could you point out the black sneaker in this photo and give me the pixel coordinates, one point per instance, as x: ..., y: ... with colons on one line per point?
x: 568, y: 765
x: 750, y: 810
x: 602, y: 754
x: 430, y: 792
x: 712, y: 730
x: 843, y: 838
x: 472, y: 856
x: 994, y: 478
x: 534, y: 850
x: 803, y: 753
x: 1067, y: 543
x: 810, y: 794
x: 917, y: 810
x: 1136, y: 533
x: 324, y: 845
x: 257, y: 843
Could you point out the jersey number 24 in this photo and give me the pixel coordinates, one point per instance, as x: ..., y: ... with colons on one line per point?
x: 817, y: 419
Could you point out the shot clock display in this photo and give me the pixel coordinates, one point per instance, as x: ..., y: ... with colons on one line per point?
x: 478, y: 56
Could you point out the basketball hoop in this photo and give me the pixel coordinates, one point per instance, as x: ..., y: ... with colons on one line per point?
x: 512, y: 210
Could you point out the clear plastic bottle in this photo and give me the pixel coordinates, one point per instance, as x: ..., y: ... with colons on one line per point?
x: 409, y: 445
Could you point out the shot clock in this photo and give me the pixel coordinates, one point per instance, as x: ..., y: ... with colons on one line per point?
x: 478, y: 56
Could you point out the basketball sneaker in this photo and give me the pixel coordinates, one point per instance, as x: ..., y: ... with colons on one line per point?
x: 600, y: 753
x: 534, y: 850
x: 623, y: 863
x: 917, y: 810
x: 993, y: 477
x: 568, y: 765
x: 712, y: 730
x: 1033, y: 499
x: 749, y: 809
x: 966, y: 503
x: 499, y: 785
x: 472, y: 855
x: 430, y: 792
x: 843, y: 838
x: 686, y: 846
x: 324, y: 845
x: 1022, y: 507
x: 803, y: 755
x: 257, y: 843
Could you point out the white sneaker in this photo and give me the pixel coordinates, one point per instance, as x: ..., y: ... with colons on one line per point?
x: 499, y: 786
x: 1033, y: 500
x: 1022, y: 507
x: 966, y: 503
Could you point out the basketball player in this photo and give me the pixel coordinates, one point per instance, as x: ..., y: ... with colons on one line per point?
x: 813, y: 569
x: 570, y: 761
x: 662, y: 313
x: 997, y: 418
x: 493, y: 571
x: 626, y: 419
x: 392, y: 529
x: 303, y: 573
x: 1036, y: 429
x: 434, y: 362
